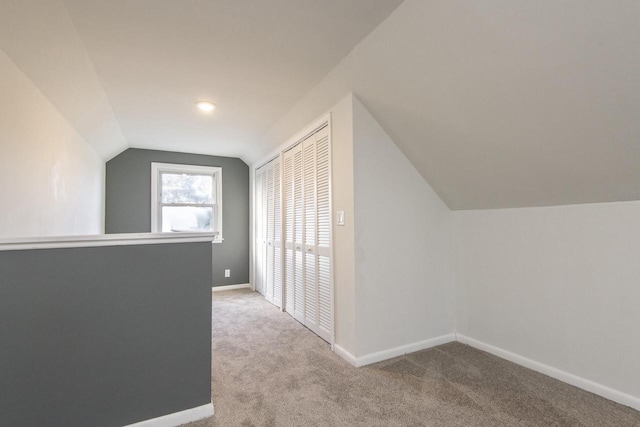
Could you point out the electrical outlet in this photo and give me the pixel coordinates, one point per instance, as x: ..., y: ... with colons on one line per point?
x: 227, y: 273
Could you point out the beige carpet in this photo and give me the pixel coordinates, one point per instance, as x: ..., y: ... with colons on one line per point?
x: 268, y: 370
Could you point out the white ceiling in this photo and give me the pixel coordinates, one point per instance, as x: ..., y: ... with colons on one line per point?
x: 152, y: 59
x: 503, y: 103
x: 497, y: 103
x: 41, y: 40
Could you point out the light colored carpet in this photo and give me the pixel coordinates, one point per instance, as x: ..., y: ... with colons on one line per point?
x: 268, y: 370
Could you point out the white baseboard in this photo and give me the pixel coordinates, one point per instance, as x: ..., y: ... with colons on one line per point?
x: 230, y: 287
x: 379, y: 356
x: 345, y: 355
x: 178, y: 418
x: 574, y: 380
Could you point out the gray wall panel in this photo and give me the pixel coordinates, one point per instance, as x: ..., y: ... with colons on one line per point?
x: 128, y: 204
x: 104, y: 336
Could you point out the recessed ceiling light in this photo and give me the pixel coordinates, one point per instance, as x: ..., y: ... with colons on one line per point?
x: 206, y: 106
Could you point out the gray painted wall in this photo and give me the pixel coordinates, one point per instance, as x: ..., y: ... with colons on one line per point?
x: 104, y: 336
x: 128, y: 204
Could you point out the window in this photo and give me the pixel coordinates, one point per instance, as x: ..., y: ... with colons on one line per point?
x: 186, y: 198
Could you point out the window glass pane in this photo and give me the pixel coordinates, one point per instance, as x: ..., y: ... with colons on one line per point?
x: 187, y: 218
x: 183, y: 188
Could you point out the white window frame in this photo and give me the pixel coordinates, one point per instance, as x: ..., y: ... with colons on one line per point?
x: 159, y: 168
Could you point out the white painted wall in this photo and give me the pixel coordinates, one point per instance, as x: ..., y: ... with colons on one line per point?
x: 558, y: 285
x: 51, y: 180
x: 405, y: 292
x: 343, y: 237
x: 408, y: 270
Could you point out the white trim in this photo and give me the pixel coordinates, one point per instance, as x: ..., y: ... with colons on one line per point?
x: 178, y: 418
x: 252, y: 228
x: 158, y: 168
x: 404, y: 349
x: 274, y: 157
x: 574, y: 380
x: 331, y: 243
x: 231, y: 287
x: 295, y: 139
x: 350, y: 358
x: 379, y: 356
x: 96, y: 240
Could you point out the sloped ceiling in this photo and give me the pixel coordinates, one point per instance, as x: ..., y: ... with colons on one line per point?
x: 502, y: 103
x: 41, y: 40
x: 497, y: 103
x: 141, y: 65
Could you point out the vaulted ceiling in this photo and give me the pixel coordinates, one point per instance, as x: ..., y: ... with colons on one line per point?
x: 497, y: 103
x: 127, y: 73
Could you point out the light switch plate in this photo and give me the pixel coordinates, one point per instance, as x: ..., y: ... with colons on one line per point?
x: 340, y: 217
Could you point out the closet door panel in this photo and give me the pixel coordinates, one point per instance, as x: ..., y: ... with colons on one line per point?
x: 298, y: 219
x: 309, y: 196
x: 323, y: 193
x: 309, y: 193
x: 259, y: 241
x: 300, y: 233
x: 325, y: 296
x: 323, y: 202
x: 277, y: 235
x: 263, y: 219
x: 289, y: 264
x: 268, y: 240
x: 269, y: 235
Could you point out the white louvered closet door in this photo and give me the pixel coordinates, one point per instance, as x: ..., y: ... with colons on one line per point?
x: 309, y: 237
x: 269, y: 235
x: 277, y: 235
x: 298, y: 237
x: 307, y: 216
x: 263, y: 222
x: 260, y: 240
x: 289, y: 251
x: 323, y: 242
x: 269, y: 232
